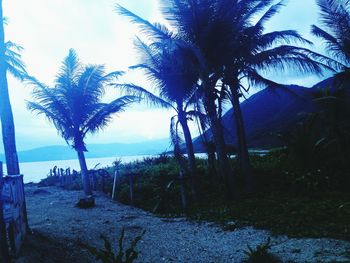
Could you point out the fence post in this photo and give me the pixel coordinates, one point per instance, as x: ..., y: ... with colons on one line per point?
x: 131, y: 185
x: 114, y: 190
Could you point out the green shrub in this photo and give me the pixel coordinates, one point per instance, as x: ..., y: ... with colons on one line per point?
x: 106, y: 255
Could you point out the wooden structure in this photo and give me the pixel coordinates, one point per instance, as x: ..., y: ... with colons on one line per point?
x: 13, y: 221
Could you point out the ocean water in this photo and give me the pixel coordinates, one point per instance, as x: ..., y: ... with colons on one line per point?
x: 35, y: 171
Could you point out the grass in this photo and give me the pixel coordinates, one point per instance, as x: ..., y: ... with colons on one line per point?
x: 317, y: 216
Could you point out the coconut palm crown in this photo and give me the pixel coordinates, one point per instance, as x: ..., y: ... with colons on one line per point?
x: 74, y: 105
x: 335, y: 18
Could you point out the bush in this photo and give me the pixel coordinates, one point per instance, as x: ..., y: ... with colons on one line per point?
x: 106, y: 255
x: 261, y: 254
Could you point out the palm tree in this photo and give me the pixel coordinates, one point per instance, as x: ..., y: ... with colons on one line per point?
x: 74, y: 104
x: 193, y: 21
x: 167, y: 66
x: 236, y: 49
x: 335, y: 17
x: 10, y: 61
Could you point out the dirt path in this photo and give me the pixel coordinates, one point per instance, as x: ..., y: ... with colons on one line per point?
x: 59, y: 228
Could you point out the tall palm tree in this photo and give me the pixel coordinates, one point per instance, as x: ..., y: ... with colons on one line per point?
x: 10, y: 61
x: 236, y: 48
x: 193, y: 22
x: 74, y: 104
x: 166, y: 65
x: 335, y: 17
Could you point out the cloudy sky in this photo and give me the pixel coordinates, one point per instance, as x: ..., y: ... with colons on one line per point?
x: 47, y: 29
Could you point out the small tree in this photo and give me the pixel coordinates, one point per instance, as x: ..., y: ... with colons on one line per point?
x: 74, y: 104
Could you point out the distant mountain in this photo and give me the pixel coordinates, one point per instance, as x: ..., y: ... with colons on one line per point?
x: 52, y: 153
x: 268, y: 113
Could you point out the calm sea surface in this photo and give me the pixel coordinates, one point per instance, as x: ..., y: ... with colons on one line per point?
x: 33, y: 172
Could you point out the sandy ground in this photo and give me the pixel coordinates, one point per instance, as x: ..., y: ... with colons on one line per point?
x: 59, y: 228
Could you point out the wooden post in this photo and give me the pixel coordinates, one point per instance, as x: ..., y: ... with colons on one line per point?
x: 115, y: 180
x: 4, y: 251
x: 54, y: 171
x: 69, y: 176
x: 131, y: 185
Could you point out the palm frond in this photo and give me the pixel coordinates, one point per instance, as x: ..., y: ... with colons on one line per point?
x: 143, y: 95
x: 335, y: 16
x: 273, y: 10
x: 103, y: 116
x: 14, y: 63
x: 150, y: 30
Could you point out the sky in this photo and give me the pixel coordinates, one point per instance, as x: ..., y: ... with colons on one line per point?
x: 47, y: 29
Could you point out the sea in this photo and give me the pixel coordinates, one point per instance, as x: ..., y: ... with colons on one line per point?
x: 35, y: 171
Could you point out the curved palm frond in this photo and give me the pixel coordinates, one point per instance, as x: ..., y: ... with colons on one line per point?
x: 144, y: 95
x: 272, y: 11
x: 154, y: 31
x: 14, y: 63
x: 103, y: 115
x: 335, y: 16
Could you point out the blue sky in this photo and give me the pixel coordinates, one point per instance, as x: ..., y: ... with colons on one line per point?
x: 48, y: 28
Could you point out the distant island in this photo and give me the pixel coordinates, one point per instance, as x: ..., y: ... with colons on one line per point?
x: 56, y: 152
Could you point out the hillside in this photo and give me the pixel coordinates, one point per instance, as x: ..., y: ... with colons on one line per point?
x: 269, y: 113
x: 52, y: 153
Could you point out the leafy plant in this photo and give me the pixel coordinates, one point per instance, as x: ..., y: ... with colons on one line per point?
x: 261, y: 254
x: 106, y: 255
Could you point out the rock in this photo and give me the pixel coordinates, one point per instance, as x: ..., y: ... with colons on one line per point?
x: 86, y: 202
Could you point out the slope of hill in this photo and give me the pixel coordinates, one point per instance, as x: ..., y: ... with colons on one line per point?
x: 51, y: 153
x: 268, y: 113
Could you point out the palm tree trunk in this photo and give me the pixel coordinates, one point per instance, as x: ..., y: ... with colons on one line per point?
x: 218, y: 135
x: 4, y: 253
x: 7, y: 123
x: 209, y: 148
x: 190, y: 152
x: 85, y: 178
x: 243, y: 154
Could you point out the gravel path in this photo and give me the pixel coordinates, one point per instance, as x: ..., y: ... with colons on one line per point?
x: 59, y: 227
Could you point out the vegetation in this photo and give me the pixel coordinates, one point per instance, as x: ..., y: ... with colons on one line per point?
x: 166, y: 64
x: 245, y: 50
x: 74, y: 104
x: 215, y: 51
x: 261, y: 254
x: 107, y: 255
x: 288, y: 199
x: 335, y: 17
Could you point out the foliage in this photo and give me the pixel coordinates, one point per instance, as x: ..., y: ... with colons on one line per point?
x: 74, y: 105
x: 318, y: 148
x: 287, y: 201
x: 106, y: 255
x: 261, y: 254
x: 293, y: 202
